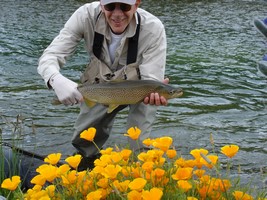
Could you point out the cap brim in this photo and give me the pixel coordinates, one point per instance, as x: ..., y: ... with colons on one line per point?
x: 130, y: 2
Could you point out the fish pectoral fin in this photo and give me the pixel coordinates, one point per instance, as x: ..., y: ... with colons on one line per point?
x: 112, y: 107
x: 89, y: 103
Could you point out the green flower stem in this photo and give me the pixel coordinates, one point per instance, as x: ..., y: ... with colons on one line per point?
x: 96, y: 145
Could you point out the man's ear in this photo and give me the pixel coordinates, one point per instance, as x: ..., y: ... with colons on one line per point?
x: 137, y: 3
x: 102, y: 7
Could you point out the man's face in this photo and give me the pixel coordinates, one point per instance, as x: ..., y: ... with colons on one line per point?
x: 119, y: 15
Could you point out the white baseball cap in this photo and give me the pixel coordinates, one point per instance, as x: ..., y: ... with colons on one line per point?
x: 130, y: 2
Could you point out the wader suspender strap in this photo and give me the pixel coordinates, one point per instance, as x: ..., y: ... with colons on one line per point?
x: 132, y: 46
x: 98, y: 41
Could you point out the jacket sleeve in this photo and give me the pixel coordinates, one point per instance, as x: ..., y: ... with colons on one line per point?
x: 153, y: 59
x: 64, y: 45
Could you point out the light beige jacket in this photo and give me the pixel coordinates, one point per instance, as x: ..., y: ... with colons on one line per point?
x: 83, y: 23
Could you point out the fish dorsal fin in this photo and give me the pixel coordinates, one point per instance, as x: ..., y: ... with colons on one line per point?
x: 112, y: 107
x: 89, y: 103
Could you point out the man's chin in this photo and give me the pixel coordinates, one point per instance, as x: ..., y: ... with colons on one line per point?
x: 117, y: 30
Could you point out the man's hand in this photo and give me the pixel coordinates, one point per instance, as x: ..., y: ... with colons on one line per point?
x: 155, y: 99
x: 66, y: 90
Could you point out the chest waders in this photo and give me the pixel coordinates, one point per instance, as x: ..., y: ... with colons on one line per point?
x: 102, y: 121
x: 132, y: 45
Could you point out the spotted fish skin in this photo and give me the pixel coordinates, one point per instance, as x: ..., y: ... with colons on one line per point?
x: 116, y: 93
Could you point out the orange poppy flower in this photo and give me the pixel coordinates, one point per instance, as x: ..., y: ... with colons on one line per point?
x: 230, y: 150
x: 88, y: 134
x: 53, y: 158
x: 74, y: 161
x: 184, y: 185
x: 38, y: 180
x: 133, y: 133
x: 197, y: 153
x: 134, y: 195
x: 95, y: 195
x: 163, y: 143
x: 171, y: 153
x: 148, y: 142
x: 154, y: 193
x: 183, y: 173
x: 239, y: 195
x: 137, y: 184
x: 11, y: 184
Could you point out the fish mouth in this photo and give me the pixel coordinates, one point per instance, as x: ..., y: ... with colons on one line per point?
x: 180, y: 94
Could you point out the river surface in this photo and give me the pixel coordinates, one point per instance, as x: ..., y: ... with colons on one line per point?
x: 213, y: 49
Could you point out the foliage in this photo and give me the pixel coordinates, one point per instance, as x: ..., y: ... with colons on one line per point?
x: 159, y: 173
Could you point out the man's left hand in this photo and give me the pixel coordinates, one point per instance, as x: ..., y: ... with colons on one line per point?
x: 155, y: 99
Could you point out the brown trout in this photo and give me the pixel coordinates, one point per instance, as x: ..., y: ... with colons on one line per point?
x: 116, y: 93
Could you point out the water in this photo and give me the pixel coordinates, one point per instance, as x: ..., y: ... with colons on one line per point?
x: 212, y: 53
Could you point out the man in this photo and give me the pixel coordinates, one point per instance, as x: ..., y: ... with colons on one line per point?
x: 119, y: 36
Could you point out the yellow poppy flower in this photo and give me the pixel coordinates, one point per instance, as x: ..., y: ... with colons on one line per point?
x: 148, y: 166
x: 98, y: 169
x: 70, y: 178
x: 133, y: 133
x: 199, y: 172
x: 53, y: 158
x: 148, y: 142
x: 51, y: 190
x: 103, y: 161
x: 88, y: 134
x: 239, y: 195
x: 115, y: 157
x: 125, y: 153
x: 209, y: 160
x: 191, y: 198
x: 183, y: 173
x: 137, y: 184
x: 230, y: 150
x: 106, y: 151
x: 154, y: 193
x: 203, y: 191
x: 11, y: 184
x: 184, y: 185
x: 143, y: 156
x: 220, y: 184
x: 159, y: 173
x: 74, y: 161
x: 103, y: 183
x: 134, y: 195
x: 171, y: 153
x: 63, y: 169
x: 163, y: 143
x: 121, y: 186
x: 111, y: 171
x: 197, y: 153
x: 191, y: 163
x: 49, y: 172
x: 95, y: 195
x: 226, y: 184
x: 38, y: 180
x: 180, y: 162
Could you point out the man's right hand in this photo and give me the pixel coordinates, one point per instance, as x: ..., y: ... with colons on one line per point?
x: 65, y: 89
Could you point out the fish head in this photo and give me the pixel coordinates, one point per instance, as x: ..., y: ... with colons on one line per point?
x: 170, y: 92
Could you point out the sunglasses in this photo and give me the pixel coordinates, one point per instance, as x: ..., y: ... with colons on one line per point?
x: 123, y: 6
